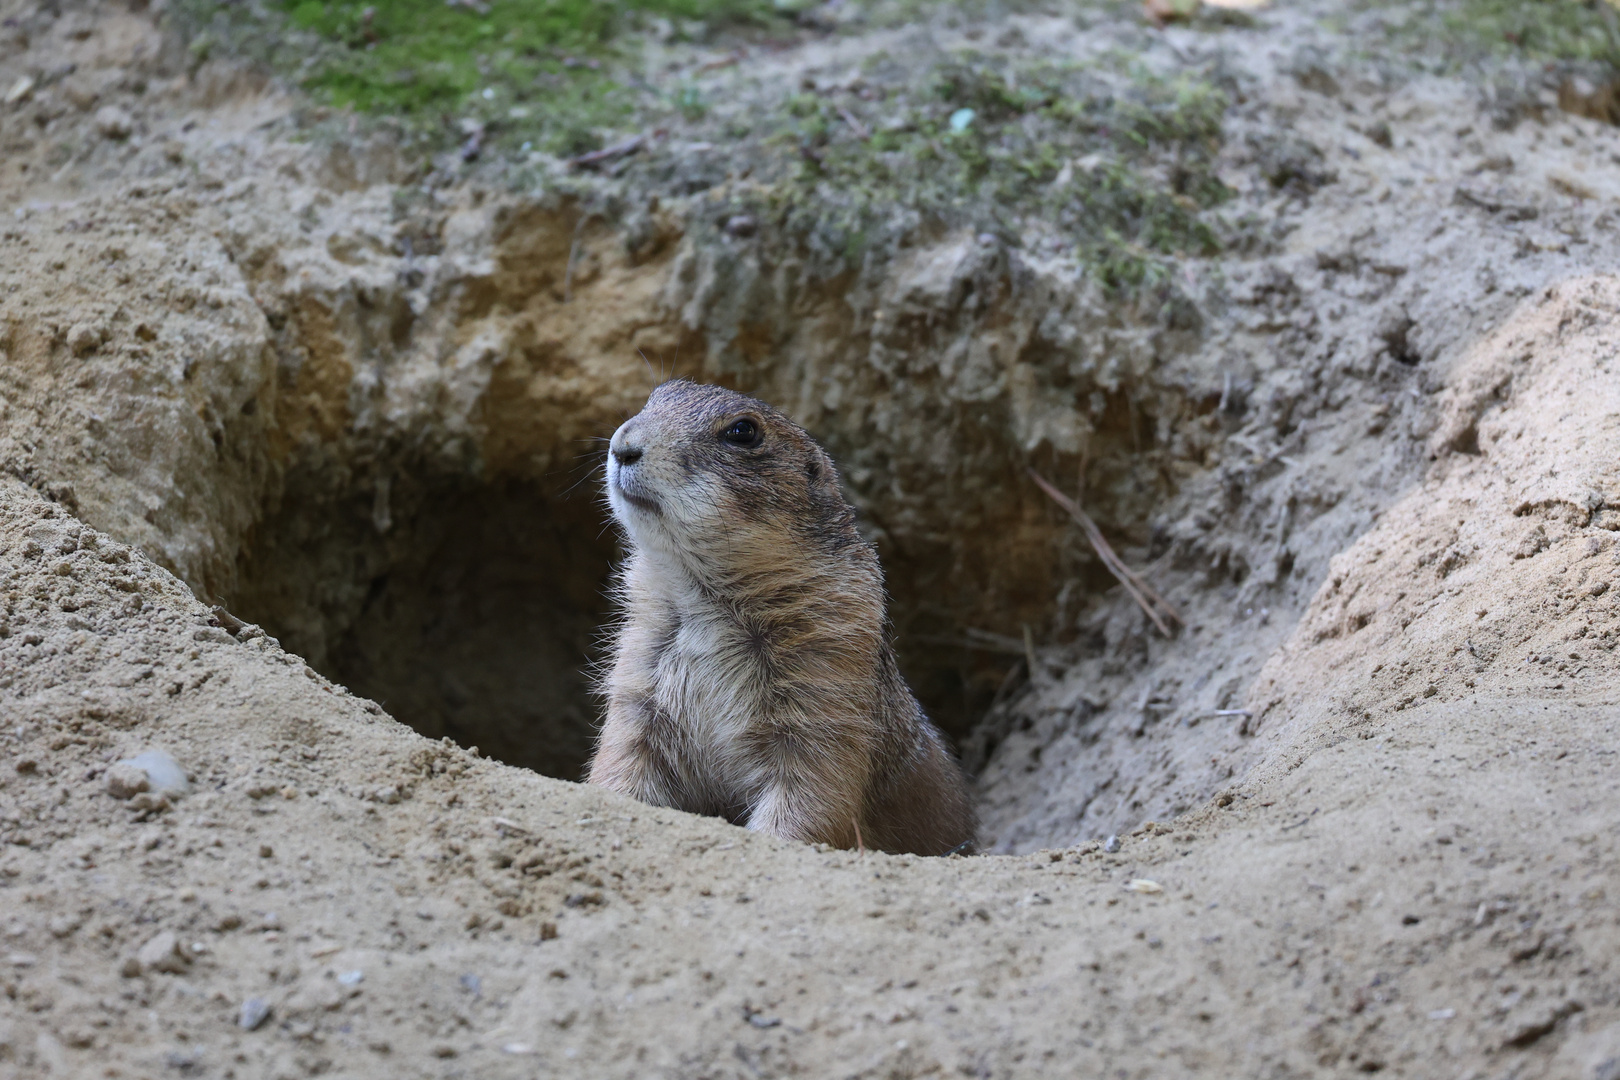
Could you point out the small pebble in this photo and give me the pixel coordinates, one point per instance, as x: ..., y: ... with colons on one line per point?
x: 83, y: 338
x: 1143, y: 885
x: 1111, y: 845
x: 125, y: 781
x: 182, y: 1061
x: 154, y: 773
x: 254, y: 1012
x: 351, y: 978
x: 266, y: 851
x: 20, y: 90
x: 162, y: 772
x: 113, y: 122
x: 163, y: 953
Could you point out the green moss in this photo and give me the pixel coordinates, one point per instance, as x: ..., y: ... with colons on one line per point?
x: 412, y: 55
x: 541, y: 71
x: 1110, y: 161
x: 1460, y: 31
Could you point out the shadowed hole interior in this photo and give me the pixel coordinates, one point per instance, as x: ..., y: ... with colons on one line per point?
x: 468, y: 609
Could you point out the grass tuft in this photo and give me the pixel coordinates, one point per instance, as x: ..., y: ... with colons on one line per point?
x: 547, y: 72
x: 1108, y: 161
x: 1544, y: 31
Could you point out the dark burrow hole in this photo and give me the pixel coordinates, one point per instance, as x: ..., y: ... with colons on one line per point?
x: 469, y: 610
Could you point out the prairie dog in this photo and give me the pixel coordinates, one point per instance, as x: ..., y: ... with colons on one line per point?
x: 752, y: 675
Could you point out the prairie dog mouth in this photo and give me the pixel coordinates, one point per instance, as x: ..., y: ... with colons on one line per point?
x: 640, y: 502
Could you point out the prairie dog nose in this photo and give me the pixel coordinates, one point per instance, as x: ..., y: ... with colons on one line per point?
x: 624, y: 447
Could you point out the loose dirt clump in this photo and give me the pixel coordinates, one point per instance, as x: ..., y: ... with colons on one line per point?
x: 297, y: 434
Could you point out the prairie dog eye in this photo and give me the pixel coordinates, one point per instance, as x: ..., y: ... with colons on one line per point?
x: 741, y: 432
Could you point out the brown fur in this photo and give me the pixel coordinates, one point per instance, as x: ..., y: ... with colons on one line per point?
x: 753, y: 676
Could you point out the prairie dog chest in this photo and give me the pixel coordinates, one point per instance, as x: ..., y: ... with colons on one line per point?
x: 706, y: 676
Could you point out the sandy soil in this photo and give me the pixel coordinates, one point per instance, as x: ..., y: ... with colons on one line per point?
x: 1401, y: 856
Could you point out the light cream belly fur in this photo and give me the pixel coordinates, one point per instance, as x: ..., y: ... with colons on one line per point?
x: 707, y: 682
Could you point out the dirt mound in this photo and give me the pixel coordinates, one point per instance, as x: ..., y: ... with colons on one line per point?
x: 1500, y: 568
x: 1344, y: 344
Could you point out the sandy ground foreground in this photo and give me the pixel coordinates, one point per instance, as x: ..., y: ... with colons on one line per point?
x: 1414, y: 873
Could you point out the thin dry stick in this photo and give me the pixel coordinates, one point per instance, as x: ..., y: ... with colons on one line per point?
x: 859, y: 128
x: 1148, y: 600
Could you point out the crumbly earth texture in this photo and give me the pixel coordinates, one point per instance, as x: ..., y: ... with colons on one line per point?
x: 1380, y: 478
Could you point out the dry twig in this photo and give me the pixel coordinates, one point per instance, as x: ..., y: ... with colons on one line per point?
x: 860, y: 129
x: 724, y: 62
x: 597, y: 158
x: 1157, y: 607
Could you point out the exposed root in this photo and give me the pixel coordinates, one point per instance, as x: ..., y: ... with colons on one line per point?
x: 1157, y: 607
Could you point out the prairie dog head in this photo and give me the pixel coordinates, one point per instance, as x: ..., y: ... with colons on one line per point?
x: 708, y: 474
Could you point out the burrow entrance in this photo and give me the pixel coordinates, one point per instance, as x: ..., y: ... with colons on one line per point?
x: 468, y: 609
x: 449, y: 556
